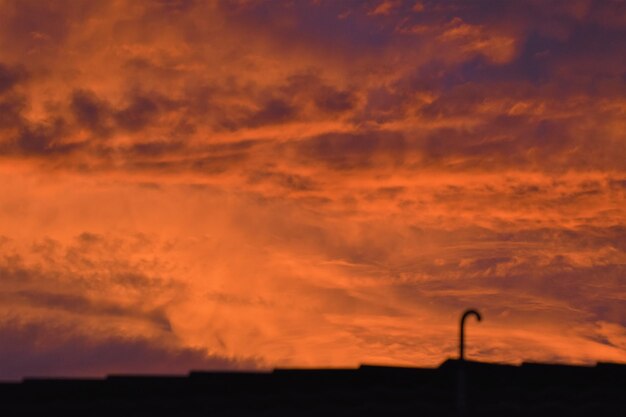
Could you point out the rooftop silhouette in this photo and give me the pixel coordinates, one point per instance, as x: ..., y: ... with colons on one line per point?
x: 530, y: 389
x: 458, y: 387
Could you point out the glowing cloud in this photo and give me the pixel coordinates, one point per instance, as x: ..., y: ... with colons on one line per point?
x: 239, y: 184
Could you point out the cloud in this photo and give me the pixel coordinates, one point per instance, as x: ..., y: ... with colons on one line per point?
x: 90, y: 111
x: 140, y: 111
x: 79, y: 305
x: 43, y: 138
x: 335, y: 101
x: 47, y: 349
x: 11, y: 108
x: 9, y: 77
x: 349, y: 151
x: 311, y: 183
x: 272, y: 112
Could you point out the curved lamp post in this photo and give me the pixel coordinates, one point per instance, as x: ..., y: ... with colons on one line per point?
x: 462, y: 331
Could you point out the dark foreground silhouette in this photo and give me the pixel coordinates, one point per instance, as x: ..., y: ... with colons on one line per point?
x: 490, y: 390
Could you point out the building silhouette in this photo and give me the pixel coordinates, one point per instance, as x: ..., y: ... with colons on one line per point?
x: 530, y: 389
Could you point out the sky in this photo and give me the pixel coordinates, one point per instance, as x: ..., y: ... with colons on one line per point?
x: 255, y: 184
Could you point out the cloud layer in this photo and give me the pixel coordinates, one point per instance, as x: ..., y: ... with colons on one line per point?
x: 257, y: 183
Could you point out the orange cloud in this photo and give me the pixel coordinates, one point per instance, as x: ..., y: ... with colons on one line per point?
x: 258, y: 184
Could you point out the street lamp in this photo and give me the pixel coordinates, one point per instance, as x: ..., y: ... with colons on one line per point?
x: 462, y: 331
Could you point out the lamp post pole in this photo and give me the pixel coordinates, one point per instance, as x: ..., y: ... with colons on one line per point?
x: 462, y: 331
x: 461, y: 401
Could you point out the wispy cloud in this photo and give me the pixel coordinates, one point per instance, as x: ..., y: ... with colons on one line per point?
x: 310, y: 183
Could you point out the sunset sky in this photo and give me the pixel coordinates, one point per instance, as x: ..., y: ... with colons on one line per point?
x: 256, y: 184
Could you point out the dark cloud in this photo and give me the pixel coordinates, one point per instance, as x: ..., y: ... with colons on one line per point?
x: 209, y: 159
x: 141, y: 111
x: 335, y: 101
x: 156, y: 148
x: 11, y: 109
x: 458, y: 101
x: 44, y: 139
x: 84, y: 306
x: 274, y: 111
x: 289, y: 181
x: 90, y: 111
x: 10, y: 76
x: 311, y: 87
x: 216, y: 164
x: 54, y: 349
x: 353, y: 150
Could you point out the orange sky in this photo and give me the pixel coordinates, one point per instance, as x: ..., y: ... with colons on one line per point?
x: 250, y: 184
